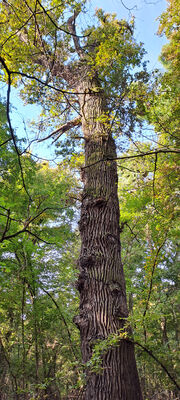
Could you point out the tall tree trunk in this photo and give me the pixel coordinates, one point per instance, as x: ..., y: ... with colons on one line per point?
x: 103, y: 306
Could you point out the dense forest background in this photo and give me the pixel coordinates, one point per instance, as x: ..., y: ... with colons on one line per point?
x: 40, y: 207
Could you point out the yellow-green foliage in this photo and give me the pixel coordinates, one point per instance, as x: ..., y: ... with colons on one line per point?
x: 111, y: 47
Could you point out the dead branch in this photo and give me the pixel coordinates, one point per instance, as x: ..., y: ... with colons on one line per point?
x: 63, y: 128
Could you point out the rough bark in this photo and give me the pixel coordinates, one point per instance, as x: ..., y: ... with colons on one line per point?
x: 103, y: 306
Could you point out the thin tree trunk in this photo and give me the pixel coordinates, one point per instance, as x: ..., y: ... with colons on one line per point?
x: 103, y: 306
x: 36, y: 334
x: 23, y: 334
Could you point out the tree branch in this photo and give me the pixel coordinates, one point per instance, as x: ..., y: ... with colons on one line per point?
x: 57, y: 26
x: 17, y: 31
x: 6, y: 141
x: 149, y: 153
x: 134, y: 234
x: 27, y: 231
x: 62, y: 316
x: 10, y: 126
x: 37, y: 29
x: 63, y: 128
x: 44, y: 83
x: 152, y: 274
x: 72, y: 30
x: 8, y: 223
x: 127, y: 8
x: 156, y: 359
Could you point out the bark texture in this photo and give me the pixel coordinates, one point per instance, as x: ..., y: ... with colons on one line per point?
x: 103, y: 306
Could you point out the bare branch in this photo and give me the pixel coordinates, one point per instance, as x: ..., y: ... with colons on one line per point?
x: 10, y: 126
x: 149, y: 153
x: 72, y: 30
x: 156, y: 359
x: 152, y: 274
x: 6, y: 141
x: 27, y: 231
x: 62, y: 316
x: 17, y: 31
x: 57, y: 26
x: 44, y: 83
x: 127, y: 8
x: 63, y: 128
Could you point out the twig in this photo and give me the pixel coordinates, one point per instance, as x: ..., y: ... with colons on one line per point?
x: 135, y: 235
x: 127, y: 8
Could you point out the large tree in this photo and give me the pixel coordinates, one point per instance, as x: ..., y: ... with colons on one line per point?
x: 84, y: 81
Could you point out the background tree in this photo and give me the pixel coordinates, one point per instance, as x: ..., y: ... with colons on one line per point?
x: 150, y: 222
x: 38, y: 342
x: 149, y: 253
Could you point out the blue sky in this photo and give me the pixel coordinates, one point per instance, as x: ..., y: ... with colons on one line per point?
x: 145, y: 12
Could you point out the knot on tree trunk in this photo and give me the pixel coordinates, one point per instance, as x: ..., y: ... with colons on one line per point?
x: 82, y: 320
x: 81, y: 281
x: 87, y: 261
x: 83, y: 221
x: 99, y: 202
